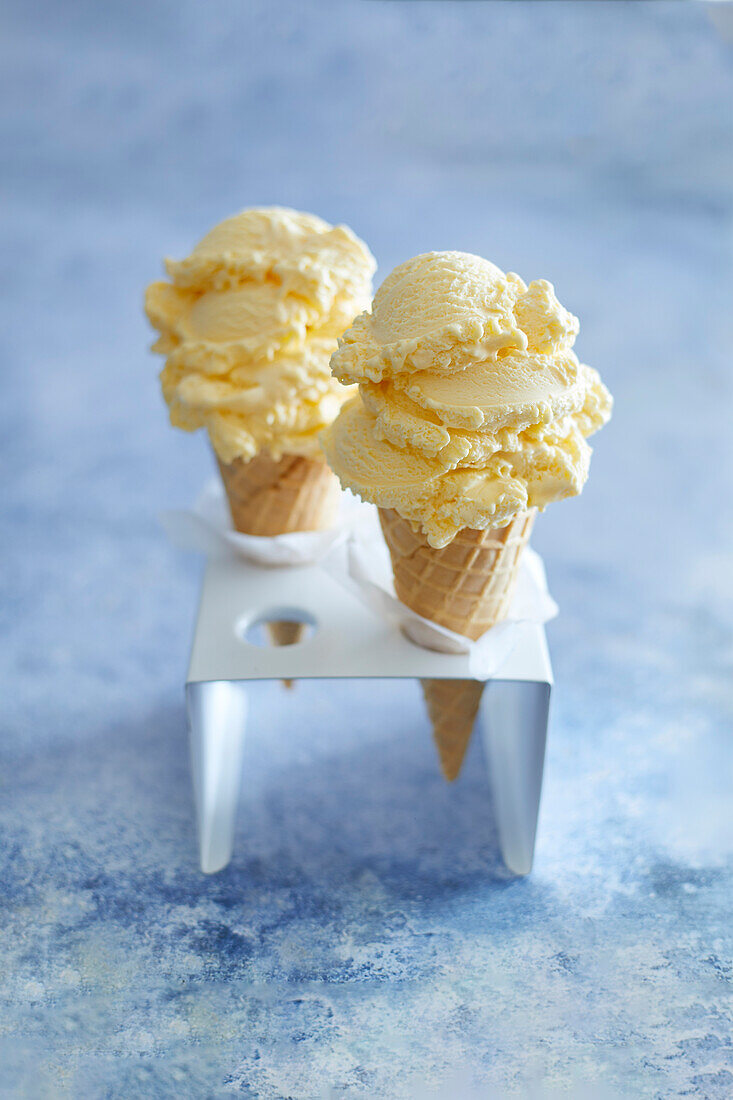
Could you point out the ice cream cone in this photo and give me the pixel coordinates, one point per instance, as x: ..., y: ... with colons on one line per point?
x: 285, y: 632
x: 467, y: 587
x: 472, y: 409
x: 270, y: 496
x: 274, y: 497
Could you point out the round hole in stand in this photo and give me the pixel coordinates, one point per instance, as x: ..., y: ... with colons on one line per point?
x: 278, y: 626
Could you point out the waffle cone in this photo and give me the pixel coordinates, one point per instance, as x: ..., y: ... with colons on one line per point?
x: 452, y: 708
x: 270, y: 496
x: 467, y: 586
x: 285, y: 632
x: 273, y: 497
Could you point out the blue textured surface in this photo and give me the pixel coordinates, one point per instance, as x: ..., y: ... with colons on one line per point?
x: 364, y: 942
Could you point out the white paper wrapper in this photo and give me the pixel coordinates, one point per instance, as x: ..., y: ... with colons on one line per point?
x: 207, y: 529
x: 363, y: 565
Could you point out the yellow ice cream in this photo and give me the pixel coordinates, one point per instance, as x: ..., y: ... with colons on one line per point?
x: 472, y: 404
x: 248, y: 323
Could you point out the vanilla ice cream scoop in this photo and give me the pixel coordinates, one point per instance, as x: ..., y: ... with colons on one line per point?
x: 472, y: 405
x: 248, y: 323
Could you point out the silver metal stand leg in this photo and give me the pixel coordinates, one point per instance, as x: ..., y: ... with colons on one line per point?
x: 513, y: 721
x: 217, y: 715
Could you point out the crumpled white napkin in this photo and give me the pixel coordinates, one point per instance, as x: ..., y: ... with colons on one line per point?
x: 356, y: 555
x: 207, y: 529
x: 363, y: 565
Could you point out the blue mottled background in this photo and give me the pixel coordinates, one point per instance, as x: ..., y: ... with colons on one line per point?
x: 364, y: 941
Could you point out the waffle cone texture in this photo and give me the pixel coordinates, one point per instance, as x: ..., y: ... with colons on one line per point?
x: 275, y: 497
x: 467, y: 587
x: 270, y: 496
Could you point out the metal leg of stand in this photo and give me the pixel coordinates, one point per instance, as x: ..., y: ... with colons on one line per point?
x: 513, y: 720
x: 217, y: 714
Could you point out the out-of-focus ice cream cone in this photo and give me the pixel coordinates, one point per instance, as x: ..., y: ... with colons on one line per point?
x: 269, y: 497
x: 275, y: 497
x: 285, y: 632
x: 247, y: 324
x: 466, y: 586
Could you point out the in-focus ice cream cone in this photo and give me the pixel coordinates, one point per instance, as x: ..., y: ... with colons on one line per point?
x: 452, y: 708
x: 467, y: 587
x: 285, y: 632
x: 472, y: 414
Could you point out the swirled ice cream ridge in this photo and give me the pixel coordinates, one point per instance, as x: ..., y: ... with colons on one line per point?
x: 248, y: 323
